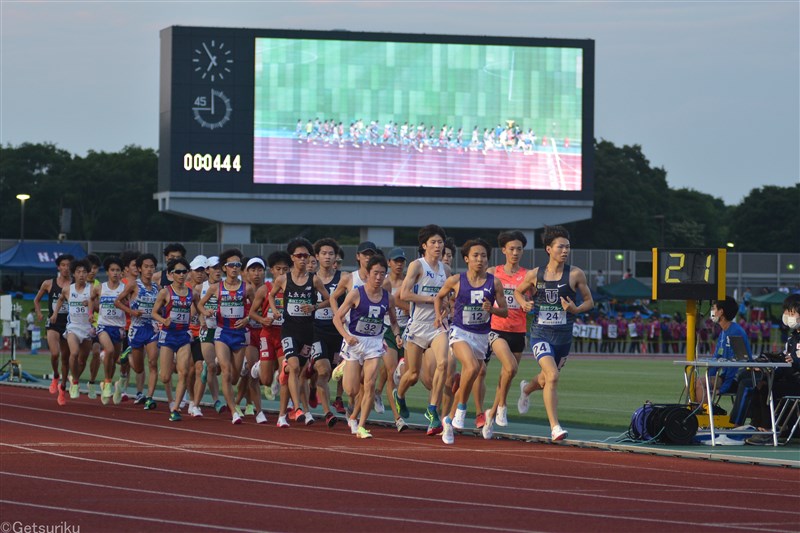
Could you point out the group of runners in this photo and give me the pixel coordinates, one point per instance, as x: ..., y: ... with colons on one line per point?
x: 418, y: 136
x: 222, y: 321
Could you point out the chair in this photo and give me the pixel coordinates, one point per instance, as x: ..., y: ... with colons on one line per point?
x: 786, y: 407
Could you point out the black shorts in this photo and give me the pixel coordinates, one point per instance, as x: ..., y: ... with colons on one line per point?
x: 60, y: 328
x: 297, y: 346
x: 197, y: 351
x: 326, y: 344
x: 515, y: 341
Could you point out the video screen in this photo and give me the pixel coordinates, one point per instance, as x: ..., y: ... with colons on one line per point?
x: 366, y: 113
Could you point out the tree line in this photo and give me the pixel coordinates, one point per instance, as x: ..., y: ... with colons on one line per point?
x: 111, y: 198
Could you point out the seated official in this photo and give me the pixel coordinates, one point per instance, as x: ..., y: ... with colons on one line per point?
x: 787, y: 380
x: 723, y: 380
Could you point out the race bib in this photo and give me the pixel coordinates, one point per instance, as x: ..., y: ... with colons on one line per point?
x: 511, y: 302
x: 552, y: 317
x: 368, y: 329
x: 231, y: 310
x: 326, y: 313
x: 474, y: 317
x: 294, y: 306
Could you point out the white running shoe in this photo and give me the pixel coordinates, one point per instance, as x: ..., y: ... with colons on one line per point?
x: 353, y: 425
x: 261, y: 418
x: 255, y: 372
x: 401, y: 425
x: 502, y: 415
x: 276, y: 385
x: 558, y: 433
x: 447, y: 431
x: 309, y: 419
x: 488, y: 427
x: 185, y: 399
x: 398, y: 372
x: 282, y: 422
x: 458, y: 420
x: 379, y: 408
x: 197, y: 413
x: 236, y: 418
x: 524, y: 403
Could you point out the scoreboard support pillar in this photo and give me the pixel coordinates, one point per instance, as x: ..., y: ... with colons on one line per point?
x: 233, y: 233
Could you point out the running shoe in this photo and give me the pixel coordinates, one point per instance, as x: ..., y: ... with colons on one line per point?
x: 267, y: 392
x: 220, y: 407
x: 62, y: 397
x: 524, y: 403
x: 338, y: 372
x: 353, y: 425
x: 117, y: 394
x: 296, y: 414
x: 255, y: 372
x: 175, y: 416
x: 458, y: 420
x: 362, y: 433
x: 282, y: 423
x: 236, y: 418
x: 488, y: 428
x: 106, y: 391
x: 309, y: 419
x: 400, y: 405
x: 54, y: 386
x: 398, y: 372
x: 239, y: 411
x: 283, y: 377
x: 338, y: 405
x: 139, y: 398
x: 401, y: 425
x: 276, y: 385
x: 261, y: 418
x: 124, y: 396
x: 501, y: 418
x: 330, y: 419
x: 74, y: 391
x: 558, y: 433
x: 447, y: 431
x: 123, y: 357
x: 312, y: 398
x: 149, y: 404
x: 185, y: 399
x: 197, y: 412
x: 456, y: 382
x: 435, y: 427
x: 480, y: 420
x: 379, y: 408
x: 250, y: 410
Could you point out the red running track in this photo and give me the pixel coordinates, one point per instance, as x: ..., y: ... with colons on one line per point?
x: 120, y: 468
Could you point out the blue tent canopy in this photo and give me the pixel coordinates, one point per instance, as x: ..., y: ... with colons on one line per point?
x: 37, y: 255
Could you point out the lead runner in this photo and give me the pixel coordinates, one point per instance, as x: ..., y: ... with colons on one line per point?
x: 554, y: 288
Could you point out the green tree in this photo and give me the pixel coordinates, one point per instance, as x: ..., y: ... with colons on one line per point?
x: 766, y: 220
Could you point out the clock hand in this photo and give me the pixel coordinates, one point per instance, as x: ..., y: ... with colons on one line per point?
x: 213, y: 58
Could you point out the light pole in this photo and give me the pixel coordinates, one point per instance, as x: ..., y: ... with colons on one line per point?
x: 22, y: 198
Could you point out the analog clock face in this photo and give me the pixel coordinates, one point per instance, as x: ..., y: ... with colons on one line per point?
x: 212, y: 60
x: 213, y: 111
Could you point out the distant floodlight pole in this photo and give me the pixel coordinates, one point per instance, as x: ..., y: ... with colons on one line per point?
x: 22, y: 198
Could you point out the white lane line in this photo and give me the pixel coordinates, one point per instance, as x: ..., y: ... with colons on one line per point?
x: 138, y: 518
x: 243, y: 503
x: 660, y: 501
x: 395, y: 458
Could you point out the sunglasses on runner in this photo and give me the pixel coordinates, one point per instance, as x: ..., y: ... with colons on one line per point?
x: 233, y: 265
x: 301, y: 256
x: 180, y: 272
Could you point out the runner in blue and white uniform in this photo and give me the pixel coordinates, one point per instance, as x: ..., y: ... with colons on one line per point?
x: 554, y: 288
x: 137, y: 300
x: 110, y: 324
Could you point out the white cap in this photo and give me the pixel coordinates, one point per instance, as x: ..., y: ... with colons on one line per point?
x: 212, y: 261
x: 255, y: 261
x: 198, y: 262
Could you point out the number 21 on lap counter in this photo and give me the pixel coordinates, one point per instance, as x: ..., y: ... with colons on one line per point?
x: 689, y: 273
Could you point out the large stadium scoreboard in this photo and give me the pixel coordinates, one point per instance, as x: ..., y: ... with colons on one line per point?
x: 307, y: 112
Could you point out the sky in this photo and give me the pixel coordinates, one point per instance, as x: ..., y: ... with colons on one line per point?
x: 710, y: 90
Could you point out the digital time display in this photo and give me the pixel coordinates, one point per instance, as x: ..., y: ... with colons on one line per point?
x: 688, y: 274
